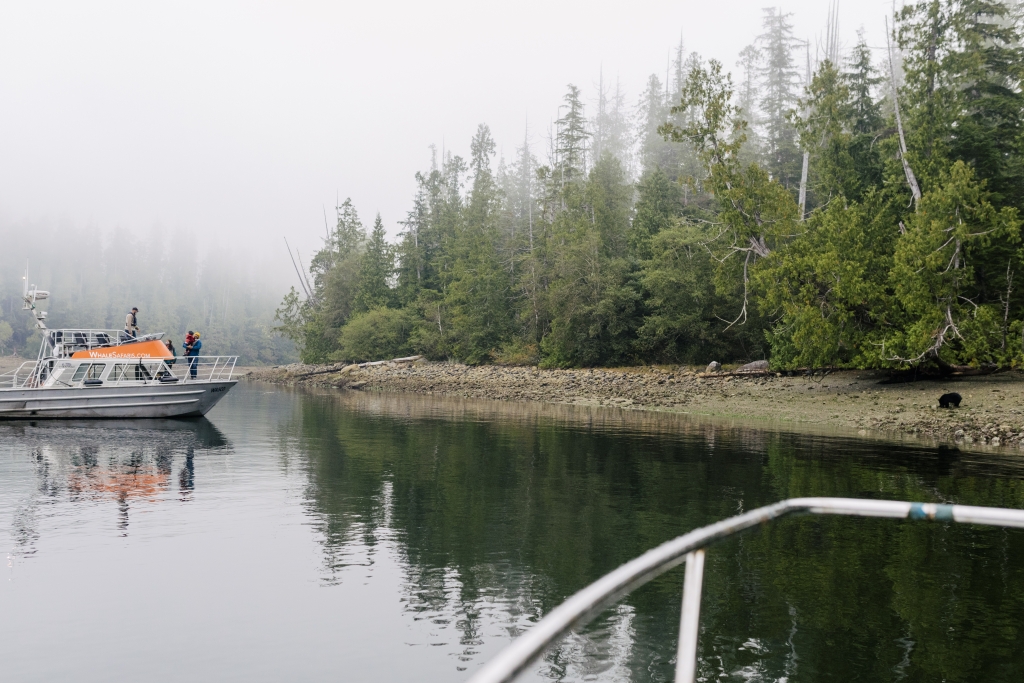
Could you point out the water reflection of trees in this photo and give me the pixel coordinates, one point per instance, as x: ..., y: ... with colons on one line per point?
x: 82, y: 461
x: 500, y: 517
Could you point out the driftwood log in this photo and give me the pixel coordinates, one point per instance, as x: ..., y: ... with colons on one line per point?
x: 342, y: 367
x: 407, y: 359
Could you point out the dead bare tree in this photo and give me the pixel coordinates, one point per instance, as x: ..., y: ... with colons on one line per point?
x: 915, y: 189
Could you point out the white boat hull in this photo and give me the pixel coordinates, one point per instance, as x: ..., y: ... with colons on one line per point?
x: 113, y: 402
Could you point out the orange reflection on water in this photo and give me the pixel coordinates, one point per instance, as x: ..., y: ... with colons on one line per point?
x: 138, y: 482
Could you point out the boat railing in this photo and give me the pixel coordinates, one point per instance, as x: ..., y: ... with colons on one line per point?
x: 63, y: 342
x: 23, y: 376
x: 203, y: 368
x: 690, y: 548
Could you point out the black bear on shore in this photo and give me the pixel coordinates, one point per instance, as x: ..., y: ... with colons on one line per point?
x: 950, y: 400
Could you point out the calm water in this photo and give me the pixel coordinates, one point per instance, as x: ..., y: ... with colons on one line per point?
x: 314, y: 536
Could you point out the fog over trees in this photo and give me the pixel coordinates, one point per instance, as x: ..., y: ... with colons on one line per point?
x: 780, y: 207
x: 178, y: 280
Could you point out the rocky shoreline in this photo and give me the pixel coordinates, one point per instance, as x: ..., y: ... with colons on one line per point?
x: 990, y: 414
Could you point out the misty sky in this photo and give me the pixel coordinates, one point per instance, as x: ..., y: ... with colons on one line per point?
x: 243, y: 119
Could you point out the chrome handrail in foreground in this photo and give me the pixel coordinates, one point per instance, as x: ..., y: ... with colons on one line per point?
x: 589, y: 602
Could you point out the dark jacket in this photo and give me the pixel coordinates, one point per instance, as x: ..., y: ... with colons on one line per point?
x: 193, y: 350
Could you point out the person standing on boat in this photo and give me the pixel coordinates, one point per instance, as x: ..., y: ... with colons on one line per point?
x: 174, y: 353
x: 186, y: 346
x: 193, y: 355
x: 131, y: 324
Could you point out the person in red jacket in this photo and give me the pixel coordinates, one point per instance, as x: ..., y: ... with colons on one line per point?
x: 192, y: 349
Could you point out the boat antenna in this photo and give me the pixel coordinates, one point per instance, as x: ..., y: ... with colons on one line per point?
x: 29, y: 298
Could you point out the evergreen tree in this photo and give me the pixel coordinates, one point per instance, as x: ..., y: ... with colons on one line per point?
x: 593, y: 301
x: 572, y: 140
x: 828, y: 291
x: 962, y: 60
x: 344, y: 241
x: 825, y: 134
x: 686, y: 166
x: 483, y: 198
x: 519, y: 205
x: 375, y: 271
x: 755, y: 211
x: 412, y: 250
x: 676, y: 278
x: 707, y: 254
x: 682, y: 301
x: 652, y: 113
x: 335, y: 270
x: 947, y: 317
x: 778, y: 97
x: 862, y: 79
x: 747, y: 97
x: 611, y: 128
x: 865, y: 112
x: 476, y: 283
x: 524, y: 233
x: 659, y: 203
x: 963, y: 88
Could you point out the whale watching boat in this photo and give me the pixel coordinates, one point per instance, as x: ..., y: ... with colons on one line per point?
x: 108, y: 374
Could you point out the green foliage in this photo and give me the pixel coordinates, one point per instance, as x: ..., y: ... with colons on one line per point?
x: 291, y: 316
x: 477, y: 283
x: 864, y: 121
x: 377, y: 334
x: 778, y: 96
x: 946, y: 315
x: 755, y: 213
x: 571, y: 139
x: 693, y: 248
x: 6, y: 333
x: 826, y: 132
x: 518, y: 352
x: 884, y: 282
x: 594, y: 299
x: 682, y: 299
x: 338, y: 291
x: 659, y: 202
x: 375, y: 271
x: 827, y: 287
x: 655, y: 151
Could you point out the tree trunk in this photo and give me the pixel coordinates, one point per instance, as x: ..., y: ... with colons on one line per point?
x: 915, y: 189
x: 803, y: 186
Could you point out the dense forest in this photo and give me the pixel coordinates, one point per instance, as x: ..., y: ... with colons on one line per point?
x: 825, y: 207
x: 178, y: 281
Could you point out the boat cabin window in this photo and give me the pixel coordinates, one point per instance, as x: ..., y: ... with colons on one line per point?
x: 88, y: 371
x: 133, y: 372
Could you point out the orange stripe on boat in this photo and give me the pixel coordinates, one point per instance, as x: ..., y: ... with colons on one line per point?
x: 146, y: 349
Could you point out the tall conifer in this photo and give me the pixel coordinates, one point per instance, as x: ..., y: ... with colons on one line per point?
x: 779, y: 78
x: 376, y: 270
